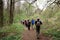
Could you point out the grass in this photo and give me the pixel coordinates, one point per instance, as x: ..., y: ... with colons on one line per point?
x: 14, y: 32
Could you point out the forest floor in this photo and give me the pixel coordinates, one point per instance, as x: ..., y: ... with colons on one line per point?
x: 31, y: 35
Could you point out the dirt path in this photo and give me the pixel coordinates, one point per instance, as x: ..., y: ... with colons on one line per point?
x: 31, y: 35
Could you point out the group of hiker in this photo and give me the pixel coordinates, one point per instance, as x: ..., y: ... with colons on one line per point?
x: 31, y: 23
x: 27, y: 23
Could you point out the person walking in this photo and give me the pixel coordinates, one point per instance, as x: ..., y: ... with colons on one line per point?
x: 38, y: 24
x: 25, y: 23
x: 28, y: 24
x: 32, y: 22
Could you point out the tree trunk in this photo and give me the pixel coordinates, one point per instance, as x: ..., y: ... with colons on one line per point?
x: 8, y: 9
x: 1, y: 13
x: 8, y: 5
x: 12, y: 2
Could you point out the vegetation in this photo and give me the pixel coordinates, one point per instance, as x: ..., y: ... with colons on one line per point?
x: 51, y: 23
x: 13, y: 31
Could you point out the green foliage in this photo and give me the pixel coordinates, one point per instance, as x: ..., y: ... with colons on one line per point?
x: 6, y: 17
x: 14, y: 32
x: 12, y: 37
x: 51, y: 22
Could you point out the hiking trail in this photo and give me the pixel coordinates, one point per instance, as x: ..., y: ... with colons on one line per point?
x: 31, y: 35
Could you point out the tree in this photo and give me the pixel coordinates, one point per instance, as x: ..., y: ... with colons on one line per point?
x: 1, y: 13
x: 57, y: 2
x: 8, y: 9
x: 12, y: 2
x: 8, y: 4
x: 29, y: 8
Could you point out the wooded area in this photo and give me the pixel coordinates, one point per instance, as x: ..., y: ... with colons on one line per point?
x: 13, y: 11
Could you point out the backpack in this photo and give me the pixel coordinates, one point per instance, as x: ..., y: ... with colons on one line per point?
x: 38, y: 23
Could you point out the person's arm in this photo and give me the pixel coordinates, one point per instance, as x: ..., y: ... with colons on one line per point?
x: 40, y: 22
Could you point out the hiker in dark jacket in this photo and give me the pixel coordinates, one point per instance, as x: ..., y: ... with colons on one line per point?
x: 38, y: 24
x: 28, y: 24
x: 25, y: 23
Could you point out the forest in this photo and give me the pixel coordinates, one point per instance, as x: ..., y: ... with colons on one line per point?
x: 12, y: 12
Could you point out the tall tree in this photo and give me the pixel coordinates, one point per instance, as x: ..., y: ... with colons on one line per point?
x: 8, y: 9
x: 1, y: 13
x: 12, y: 2
x: 8, y: 4
x: 29, y: 8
